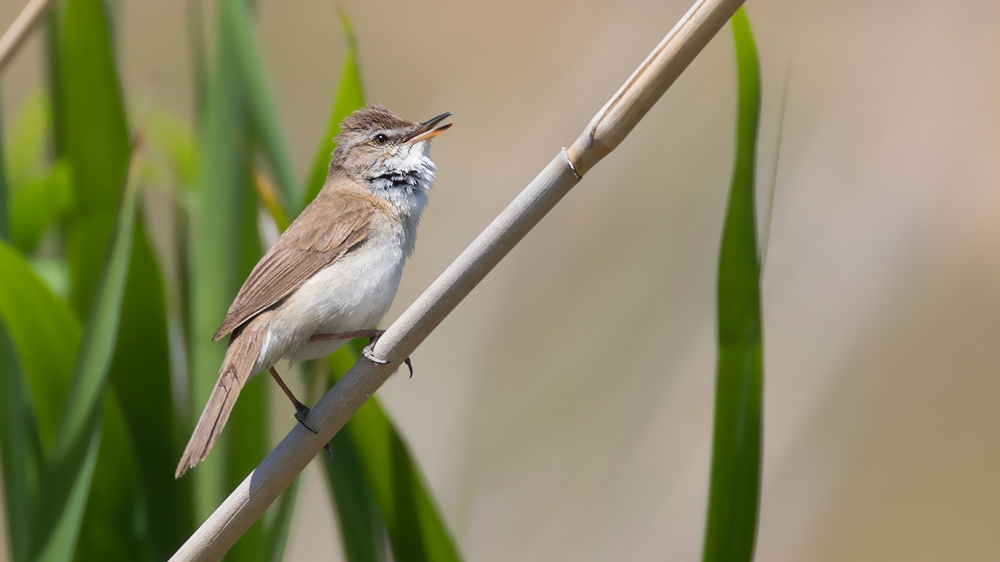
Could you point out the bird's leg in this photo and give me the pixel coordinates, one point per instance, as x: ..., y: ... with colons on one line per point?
x: 372, y: 335
x: 301, y: 410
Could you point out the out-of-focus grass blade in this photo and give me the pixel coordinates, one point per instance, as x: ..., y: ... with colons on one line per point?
x: 109, y: 530
x: 64, y: 498
x: 45, y: 335
x: 350, y: 96
x: 140, y: 377
x: 94, y: 360
x: 17, y: 425
x: 217, y: 237
x: 20, y: 463
x: 261, y: 104
x: 416, y: 530
x: 38, y: 204
x: 736, y: 451
x: 765, y: 235
x: 97, y: 144
x: 68, y: 477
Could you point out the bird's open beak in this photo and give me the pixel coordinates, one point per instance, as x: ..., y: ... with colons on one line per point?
x: 426, y: 130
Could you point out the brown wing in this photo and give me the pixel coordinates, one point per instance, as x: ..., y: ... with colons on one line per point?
x: 326, y: 229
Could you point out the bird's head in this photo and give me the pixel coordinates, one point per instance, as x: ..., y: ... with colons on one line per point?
x: 388, y: 154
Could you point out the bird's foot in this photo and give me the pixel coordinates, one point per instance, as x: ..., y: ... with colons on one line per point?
x: 300, y: 414
x: 367, y: 352
x: 370, y: 355
x: 329, y: 451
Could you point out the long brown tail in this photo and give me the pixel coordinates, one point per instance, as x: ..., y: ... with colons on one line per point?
x: 244, y: 347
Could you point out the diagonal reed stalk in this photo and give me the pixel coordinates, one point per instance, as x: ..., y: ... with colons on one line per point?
x: 18, y: 32
x: 608, y: 128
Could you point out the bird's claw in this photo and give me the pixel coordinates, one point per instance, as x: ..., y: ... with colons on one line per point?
x: 300, y: 415
x: 367, y: 352
x: 371, y: 357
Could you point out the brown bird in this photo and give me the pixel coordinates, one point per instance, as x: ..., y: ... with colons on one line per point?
x: 334, y: 272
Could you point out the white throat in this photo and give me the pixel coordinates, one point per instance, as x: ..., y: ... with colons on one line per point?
x: 408, y: 175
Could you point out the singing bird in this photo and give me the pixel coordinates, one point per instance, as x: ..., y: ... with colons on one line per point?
x: 335, y: 269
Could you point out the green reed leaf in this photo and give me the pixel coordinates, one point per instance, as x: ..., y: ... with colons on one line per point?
x: 140, y: 379
x: 97, y: 143
x: 736, y: 450
x: 45, y: 334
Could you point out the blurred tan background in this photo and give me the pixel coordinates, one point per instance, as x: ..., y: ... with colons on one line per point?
x: 564, y: 410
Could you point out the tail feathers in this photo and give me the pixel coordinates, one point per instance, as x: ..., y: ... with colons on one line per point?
x: 241, y: 357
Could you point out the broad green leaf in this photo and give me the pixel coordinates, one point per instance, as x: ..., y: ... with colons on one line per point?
x: 38, y: 204
x: 736, y: 449
x: 97, y: 144
x: 45, y: 335
x: 416, y: 530
x: 140, y: 377
x: 350, y: 97
x: 66, y: 481
x: 260, y: 102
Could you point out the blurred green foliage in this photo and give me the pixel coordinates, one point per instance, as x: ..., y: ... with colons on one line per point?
x: 106, y: 355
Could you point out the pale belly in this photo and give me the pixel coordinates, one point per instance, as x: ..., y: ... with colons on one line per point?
x: 351, y: 294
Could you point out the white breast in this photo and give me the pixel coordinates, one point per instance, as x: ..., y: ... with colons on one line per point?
x: 351, y: 294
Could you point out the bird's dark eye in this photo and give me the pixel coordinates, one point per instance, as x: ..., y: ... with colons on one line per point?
x: 380, y: 138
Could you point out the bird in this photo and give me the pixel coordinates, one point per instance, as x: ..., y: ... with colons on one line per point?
x: 334, y: 272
